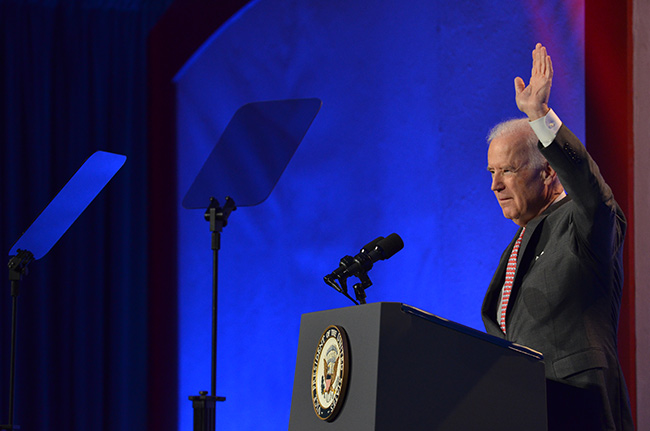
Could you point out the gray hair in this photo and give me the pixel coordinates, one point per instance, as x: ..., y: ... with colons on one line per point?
x: 519, y: 126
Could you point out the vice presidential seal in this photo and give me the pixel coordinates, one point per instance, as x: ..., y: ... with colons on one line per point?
x: 329, y: 373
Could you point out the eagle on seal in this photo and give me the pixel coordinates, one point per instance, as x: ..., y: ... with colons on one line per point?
x: 330, y: 377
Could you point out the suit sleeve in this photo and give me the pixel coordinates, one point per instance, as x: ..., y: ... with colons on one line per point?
x: 598, y: 221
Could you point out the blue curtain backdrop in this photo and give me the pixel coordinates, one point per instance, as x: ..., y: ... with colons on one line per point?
x: 73, y: 81
x: 409, y: 92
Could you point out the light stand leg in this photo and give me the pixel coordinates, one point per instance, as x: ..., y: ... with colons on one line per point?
x: 12, y: 361
x: 17, y: 268
x: 12, y: 366
x: 216, y: 245
x: 204, y: 404
x: 204, y: 411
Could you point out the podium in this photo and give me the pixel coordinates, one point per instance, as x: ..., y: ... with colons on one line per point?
x: 408, y: 369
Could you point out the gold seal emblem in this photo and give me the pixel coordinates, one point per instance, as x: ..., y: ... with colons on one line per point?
x: 329, y: 373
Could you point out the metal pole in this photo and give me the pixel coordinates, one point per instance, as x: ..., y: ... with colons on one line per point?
x: 12, y: 367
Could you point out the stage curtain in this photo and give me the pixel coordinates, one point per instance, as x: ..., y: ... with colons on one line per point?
x: 73, y: 81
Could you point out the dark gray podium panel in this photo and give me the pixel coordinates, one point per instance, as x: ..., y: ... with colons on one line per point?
x: 412, y: 370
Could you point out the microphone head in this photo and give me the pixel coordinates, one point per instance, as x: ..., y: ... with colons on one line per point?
x: 390, y: 245
x: 371, y: 245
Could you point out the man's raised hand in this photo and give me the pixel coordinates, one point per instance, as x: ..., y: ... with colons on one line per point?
x: 533, y: 99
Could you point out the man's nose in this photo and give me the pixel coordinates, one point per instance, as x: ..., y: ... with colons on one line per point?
x: 497, y: 183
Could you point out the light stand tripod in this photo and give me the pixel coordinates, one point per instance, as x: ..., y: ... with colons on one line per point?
x: 246, y: 163
x: 204, y: 404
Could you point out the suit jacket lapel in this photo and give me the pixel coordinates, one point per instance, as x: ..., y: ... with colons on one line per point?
x: 527, y: 250
x: 491, y: 300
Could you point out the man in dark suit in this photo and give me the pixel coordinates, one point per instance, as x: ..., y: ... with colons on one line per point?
x: 558, y: 286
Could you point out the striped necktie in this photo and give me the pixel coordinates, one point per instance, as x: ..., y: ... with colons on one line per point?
x: 510, y: 278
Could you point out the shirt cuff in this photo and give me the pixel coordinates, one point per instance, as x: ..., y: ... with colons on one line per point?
x: 546, y: 127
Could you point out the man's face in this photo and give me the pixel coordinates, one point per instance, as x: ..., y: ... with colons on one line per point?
x: 519, y: 187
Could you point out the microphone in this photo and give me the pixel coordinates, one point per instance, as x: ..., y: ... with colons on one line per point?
x: 379, y: 249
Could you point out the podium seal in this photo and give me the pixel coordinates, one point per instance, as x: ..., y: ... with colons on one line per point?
x: 329, y: 373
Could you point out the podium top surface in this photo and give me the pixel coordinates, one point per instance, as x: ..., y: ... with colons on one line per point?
x: 471, y: 331
x: 408, y: 309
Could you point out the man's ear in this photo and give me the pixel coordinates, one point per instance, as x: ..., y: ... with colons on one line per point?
x: 548, y: 174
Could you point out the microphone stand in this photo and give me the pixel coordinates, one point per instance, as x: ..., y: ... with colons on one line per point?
x: 330, y: 279
x: 204, y: 404
x: 360, y: 288
x: 17, y: 268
